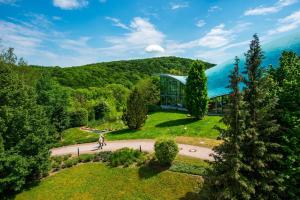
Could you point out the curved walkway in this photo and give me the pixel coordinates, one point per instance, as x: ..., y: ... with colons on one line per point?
x: 146, y: 145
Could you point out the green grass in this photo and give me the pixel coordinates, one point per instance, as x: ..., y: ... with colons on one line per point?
x: 170, y: 124
x: 97, y: 181
x: 158, y: 124
x: 77, y: 136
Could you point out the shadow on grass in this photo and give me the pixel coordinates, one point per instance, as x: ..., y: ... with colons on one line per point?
x: 151, y: 169
x: 191, y: 196
x: 122, y: 132
x: 176, y: 122
x: 12, y: 195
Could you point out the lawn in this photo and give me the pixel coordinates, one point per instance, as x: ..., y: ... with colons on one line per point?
x: 158, y: 124
x: 97, y: 181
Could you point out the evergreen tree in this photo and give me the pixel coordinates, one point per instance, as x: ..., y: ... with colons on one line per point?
x: 225, y: 180
x: 288, y: 116
x: 134, y: 116
x: 259, y: 148
x: 196, y: 91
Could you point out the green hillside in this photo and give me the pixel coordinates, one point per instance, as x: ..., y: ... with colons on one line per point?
x: 126, y: 73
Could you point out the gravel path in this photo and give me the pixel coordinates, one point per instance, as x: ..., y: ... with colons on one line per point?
x: 146, y: 145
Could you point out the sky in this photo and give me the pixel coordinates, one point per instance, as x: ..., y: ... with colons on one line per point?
x: 78, y: 32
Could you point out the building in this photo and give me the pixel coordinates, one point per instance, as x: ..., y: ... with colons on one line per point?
x: 172, y: 94
x: 173, y: 87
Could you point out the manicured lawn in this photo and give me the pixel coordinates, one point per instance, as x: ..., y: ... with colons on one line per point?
x: 97, y: 181
x: 159, y: 124
x: 77, y: 136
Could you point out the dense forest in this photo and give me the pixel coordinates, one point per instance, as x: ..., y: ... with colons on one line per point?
x: 127, y: 73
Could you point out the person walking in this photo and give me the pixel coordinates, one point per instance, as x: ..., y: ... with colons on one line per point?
x: 100, y: 142
x: 103, y: 139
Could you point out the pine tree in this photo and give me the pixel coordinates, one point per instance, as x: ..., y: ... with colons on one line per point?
x: 288, y: 116
x: 226, y: 181
x: 134, y: 116
x: 196, y: 91
x: 259, y: 148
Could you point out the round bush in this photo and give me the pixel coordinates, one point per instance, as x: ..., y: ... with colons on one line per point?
x: 165, y: 151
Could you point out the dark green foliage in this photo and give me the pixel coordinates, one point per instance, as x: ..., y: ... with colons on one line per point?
x: 288, y: 116
x: 125, y: 157
x: 126, y: 73
x: 166, y: 151
x: 79, y: 117
x: 226, y: 181
x: 24, y: 131
x: 196, y: 91
x: 150, y: 88
x: 55, y: 100
x: 101, y: 109
x: 134, y: 116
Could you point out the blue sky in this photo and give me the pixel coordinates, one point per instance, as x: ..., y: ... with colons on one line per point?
x: 76, y: 32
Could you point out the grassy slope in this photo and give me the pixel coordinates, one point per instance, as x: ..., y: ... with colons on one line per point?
x: 97, y: 181
x: 158, y: 124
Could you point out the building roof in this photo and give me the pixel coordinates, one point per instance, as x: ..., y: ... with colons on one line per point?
x: 218, y: 76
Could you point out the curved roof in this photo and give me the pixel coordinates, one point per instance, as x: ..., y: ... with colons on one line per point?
x: 217, y: 77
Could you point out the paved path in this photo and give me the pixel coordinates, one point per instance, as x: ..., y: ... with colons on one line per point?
x: 146, y: 145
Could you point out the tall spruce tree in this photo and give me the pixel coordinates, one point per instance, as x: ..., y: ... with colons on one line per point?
x: 196, y: 99
x: 288, y: 116
x: 135, y: 114
x: 225, y: 180
x: 259, y: 148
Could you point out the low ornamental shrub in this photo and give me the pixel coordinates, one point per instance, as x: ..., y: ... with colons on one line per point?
x: 57, y: 159
x: 103, y: 156
x: 166, y: 151
x: 66, y: 157
x: 55, y: 166
x: 125, y: 157
x: 86, y: 158
x: 69, y: 163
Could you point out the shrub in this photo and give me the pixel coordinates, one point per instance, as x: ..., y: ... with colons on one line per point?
x: 55, y: 166
x: 86, y: 158
x: 70, y: 162
x: 125, y: 156
x: 165, y: 151
x: 79, y: 117
x: 103, y: 156
x: 57, y: 159
x: 66, y: 157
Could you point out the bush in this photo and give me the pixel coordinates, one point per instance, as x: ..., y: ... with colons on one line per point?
x: 57, y: 159
x: 86, y: 158
x: 79, y: 117
x: 66, y: 157
x: 69, y: 163
x: 125, y: 156
x: 103, y: 156
x: 166, y: 151
x: 55, y: 166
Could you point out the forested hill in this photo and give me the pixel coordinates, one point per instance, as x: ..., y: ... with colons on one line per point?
x: 126, y: 73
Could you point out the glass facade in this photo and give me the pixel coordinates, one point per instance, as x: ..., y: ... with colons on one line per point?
x: 171, y: 92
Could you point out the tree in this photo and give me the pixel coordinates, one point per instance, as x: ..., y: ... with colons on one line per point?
x: 24, y: 132
x: 260, y: 152
x: 226, y: 180
x: 287, y: 76
x: 150, y: 89
x: 135, y: 114
x: 196, y: 91
x: 120, y: 94
x: 54, y: 99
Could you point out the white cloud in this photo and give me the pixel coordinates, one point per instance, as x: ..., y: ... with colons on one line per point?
x: 117, y: 22
x: 214, y: 9
x: 262, y: 10
x: 216, y: 37
x: 10, y: 2
x: 154, y: 48
x: 70, y: 4
x: 200, y: 23
x: 175, y: 6
x: 288, y: 23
